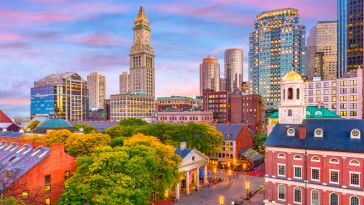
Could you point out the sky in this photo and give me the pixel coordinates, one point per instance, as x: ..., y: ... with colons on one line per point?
x: 41, y: 37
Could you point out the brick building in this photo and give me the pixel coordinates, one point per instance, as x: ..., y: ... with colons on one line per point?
x: 33, y: 172
x: 185, y: 117
x: 177, y: 103
x: 218, y: 103
x: 312, y: 161
x: 237, y: 137
x: 247, y: 109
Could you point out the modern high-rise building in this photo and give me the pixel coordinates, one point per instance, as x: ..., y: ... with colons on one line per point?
x: 276, y: 47
x: 350, y: 35
x: 96, y: 84
x: 142, y: 72
x: 209, y: 74
x: 124, y: 82
x: 222, y: 84
x: 62, y: 95
x: 138, y: 100
x: 321, y: 51
x: 233, y: 61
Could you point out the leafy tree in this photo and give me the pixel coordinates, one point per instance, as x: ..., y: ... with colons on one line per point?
x: 10, y: 201
x: 132, y: 122
x: 126, y: 175
x: 32, y: 125
x: 83, y: 144
x: 120, y: 131
x: 86, y: 128
x: 118, y: 141
x: 258, y: 142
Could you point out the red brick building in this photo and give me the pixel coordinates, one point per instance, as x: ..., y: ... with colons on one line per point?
x: 33, y: 172
x: 247, y: 109
x: 237, y: 137
x: 218, y: 103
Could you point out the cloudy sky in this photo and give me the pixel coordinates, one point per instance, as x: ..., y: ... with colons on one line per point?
x: 40, y: 37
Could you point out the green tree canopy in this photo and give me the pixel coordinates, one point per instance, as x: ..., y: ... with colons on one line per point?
x: 86, y: 128
x: 258, y: 142
x: 132, y: 122
x: 128, y: 175
x: 83, y: 144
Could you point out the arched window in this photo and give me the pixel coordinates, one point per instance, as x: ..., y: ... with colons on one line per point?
x: 315, y: 159
x: 315, y: 197
x: 297, y: 157
x: 281, y: 156
x: 281, y: 192
x: 284, y: 94
x: 354, y: 200
x: 298, y: 93
x: 334, y: 199
x: 334, y: 161
x: 289, y: 112
x: 354, y: 162
x: 297, y: 195
x: 290, y: 93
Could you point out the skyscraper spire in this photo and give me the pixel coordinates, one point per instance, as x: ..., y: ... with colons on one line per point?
x: 141, y: 18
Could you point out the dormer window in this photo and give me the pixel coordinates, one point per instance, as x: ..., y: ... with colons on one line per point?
x: 290, y: 132
x: 355, y: 134
x: 319, y: 132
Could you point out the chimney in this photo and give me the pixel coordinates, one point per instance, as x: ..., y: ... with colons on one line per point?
x: 319, y: 105
x: 183, y: 145
x: 302, y: 132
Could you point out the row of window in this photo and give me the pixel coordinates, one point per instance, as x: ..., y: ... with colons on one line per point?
x: 315, y: 175
x: 353, y: 162
x: 315, y: 196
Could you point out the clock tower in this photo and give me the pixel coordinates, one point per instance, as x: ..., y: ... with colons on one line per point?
x: 142, y: 72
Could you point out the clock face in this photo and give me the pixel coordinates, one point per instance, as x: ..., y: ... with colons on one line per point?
x: 146, y: 38
x: 137, y: 36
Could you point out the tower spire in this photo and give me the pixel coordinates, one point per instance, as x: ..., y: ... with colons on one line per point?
x: 142, y: 17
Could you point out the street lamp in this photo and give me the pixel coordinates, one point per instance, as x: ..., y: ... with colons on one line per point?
x: 215, y: 170
x: 229, y: 174
x: 247, y: 186
x: 221, y: 199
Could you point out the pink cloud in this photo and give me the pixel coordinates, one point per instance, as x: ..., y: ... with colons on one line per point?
x: 14, y: 101
x: 96, y: 39
x: 9, y: 37
x: 206, y: 13
x: 177, y: 88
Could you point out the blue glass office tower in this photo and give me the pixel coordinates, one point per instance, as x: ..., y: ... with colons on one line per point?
x: 342, y: 46
x: 276, y: 46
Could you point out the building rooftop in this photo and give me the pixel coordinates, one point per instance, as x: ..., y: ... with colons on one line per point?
x: 175, y: 97
x: 182, y: 152
x: 230, y: 131
x: 99, y: 125
x: 53, y: 124
x: 313, y: 112
x: 292, y: 75
x: 4, y: 118
x: 18, y: 160
x: 10, y: 134
x: 54, y: 79
x: 336, y: 135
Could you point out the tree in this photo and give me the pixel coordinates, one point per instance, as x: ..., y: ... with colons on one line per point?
x: 120, y: 131
x: 132, y: 122
x: 128, y: 175
x: 258, y: 142
x: 86, y: 128
x: 32, y: 125
x: 82, y: 144
x: 11, y: 201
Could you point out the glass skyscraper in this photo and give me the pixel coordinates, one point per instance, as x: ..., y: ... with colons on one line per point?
x: 276, y: 47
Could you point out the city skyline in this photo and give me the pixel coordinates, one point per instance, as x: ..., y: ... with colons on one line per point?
x: 37, y: 36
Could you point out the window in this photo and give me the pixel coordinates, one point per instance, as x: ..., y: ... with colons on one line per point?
x: 281, y: 170
x: 334, y: 161
x: 281, y: 156
x: 67, y: 175
x: 315, y: 174
x: 281, y: 192
x: 315, y: 197
x: 354, y: 200
x: 354, y: 179
x: 315, y: 159
x: 289, y: 112
x: 319, y: 132
x: 334, y: 176
x: 47, y: 201
x: 47, y: 179
x: 47, y: 188
x: 298, y: 93
x: 297, y: 195
x: 354, y: 163
x: 334, y: 199
x: 355, y: 134
x: 290, y: 93
x: 284, y: 94
x: 298, y: 172
x: 25, y: 194
x: 297, y: 157
x: 290, y: 132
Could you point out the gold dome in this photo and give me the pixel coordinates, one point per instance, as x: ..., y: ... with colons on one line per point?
x: 292, y: 75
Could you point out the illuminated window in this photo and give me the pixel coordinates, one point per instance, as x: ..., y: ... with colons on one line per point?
x: 333, y: 92
x: 25, y: 194
x: 47, y: 201
x: 47, y: 188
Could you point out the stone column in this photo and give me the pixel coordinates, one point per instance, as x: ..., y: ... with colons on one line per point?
x: 187, y: 183
x: 177, y: 190
x: 198, y: 178
x: 205, y: 175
